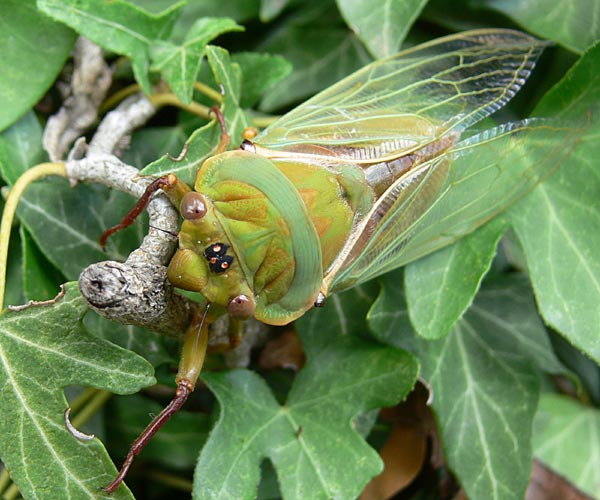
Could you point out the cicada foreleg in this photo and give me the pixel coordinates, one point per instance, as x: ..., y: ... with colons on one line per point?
x: 225, y: 137
x: 190, y: 366
x: 170, y: 184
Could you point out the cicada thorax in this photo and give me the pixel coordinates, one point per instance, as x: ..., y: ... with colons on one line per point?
x: 266, y: 231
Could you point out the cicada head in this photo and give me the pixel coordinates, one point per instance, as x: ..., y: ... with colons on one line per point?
x: 206, y: 261
x: 246, y: 242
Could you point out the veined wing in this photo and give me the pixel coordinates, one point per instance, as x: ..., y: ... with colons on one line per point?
x: 450, y: 196
x: 400, y: 104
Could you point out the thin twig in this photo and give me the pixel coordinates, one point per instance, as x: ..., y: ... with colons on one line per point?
x: 89, y: 84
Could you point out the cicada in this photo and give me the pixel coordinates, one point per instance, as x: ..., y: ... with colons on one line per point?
x: 374, y: 172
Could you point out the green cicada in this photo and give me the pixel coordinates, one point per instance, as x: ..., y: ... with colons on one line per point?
x: 370, y: 174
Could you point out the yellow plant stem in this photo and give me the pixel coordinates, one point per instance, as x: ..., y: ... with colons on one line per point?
x: 172, y: 480
x: 4, y: 479
x: 91, y: 407
x: 208, y: 92
x: 264, y: 121
x: 83, y: 398
x: 167, y: 99
x: 117, y: 97
x: 33, y: 174
x: 11, y: 493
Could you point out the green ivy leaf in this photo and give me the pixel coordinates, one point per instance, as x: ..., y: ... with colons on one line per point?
x: 320, y: 56
x: 150, y: 143
x: 40, y: 280
x: 567, y: 439
x: 151, y: 345
x: 117, y: 26
x: 270, y: 9
x: 203, y: 143
x: 441, y: 286
x: 43, y: 349
x: 261, y: 72
x: 484, y: 378
x: 228, y: 75
x: 382, y: 24
x: 180, y: 64
x: 310, y: 439
x: 14, y: 291
x: 558, y: 224
x: 28, y: 39
x: 574, y: 25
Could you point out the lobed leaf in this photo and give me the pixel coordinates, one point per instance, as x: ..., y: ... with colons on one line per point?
x: 558, y: 224
x: 180, y: 64
x: 382, y: 24
x: 28, y: 39
x: 117, y: 26
x: 484, y: 381
x: 310, y: 439
x: 575, y: 25
x: 567, y: 438
x: 441, y: 286
x: 202, y: 144
x: 43, y: 349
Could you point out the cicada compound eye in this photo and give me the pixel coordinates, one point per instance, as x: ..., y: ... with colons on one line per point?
x: 193, y: 206
x: 241, y: 307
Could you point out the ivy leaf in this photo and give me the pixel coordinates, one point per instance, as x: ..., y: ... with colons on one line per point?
x: 203, y: 143
x: 441, y: 286
x: 567, y: 439
x: 117, y: 26
x: 310, y: 439
x: 14, y: 292
x: 261, y: 72
x: 558, y: 224
x: 228, y: 75
x: 320, y: 56
x: 574, y: 25
x: 180, y: 64
x: 270, y: 9
x: 40, y: 280
x: 43, y: 349
x: 382, y: 24
x: 151, y: 345
x: 24, y: 32
x: 484, y: 378
x: 150, y: 143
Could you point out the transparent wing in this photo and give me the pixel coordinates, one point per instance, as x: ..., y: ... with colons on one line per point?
x: 450, y: 196
x: 399, y: 104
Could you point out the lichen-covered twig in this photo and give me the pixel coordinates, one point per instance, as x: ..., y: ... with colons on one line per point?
x: 135, y: 291
x: 89, y: 83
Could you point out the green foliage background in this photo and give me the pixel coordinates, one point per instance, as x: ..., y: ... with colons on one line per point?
x: 489, y: 324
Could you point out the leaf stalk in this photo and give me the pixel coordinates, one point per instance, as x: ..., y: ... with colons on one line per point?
x: 33, y: 174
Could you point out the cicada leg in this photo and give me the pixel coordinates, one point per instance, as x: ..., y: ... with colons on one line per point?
x: 190, y: 365
x: 225, y: 137
x: 170, y: 184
